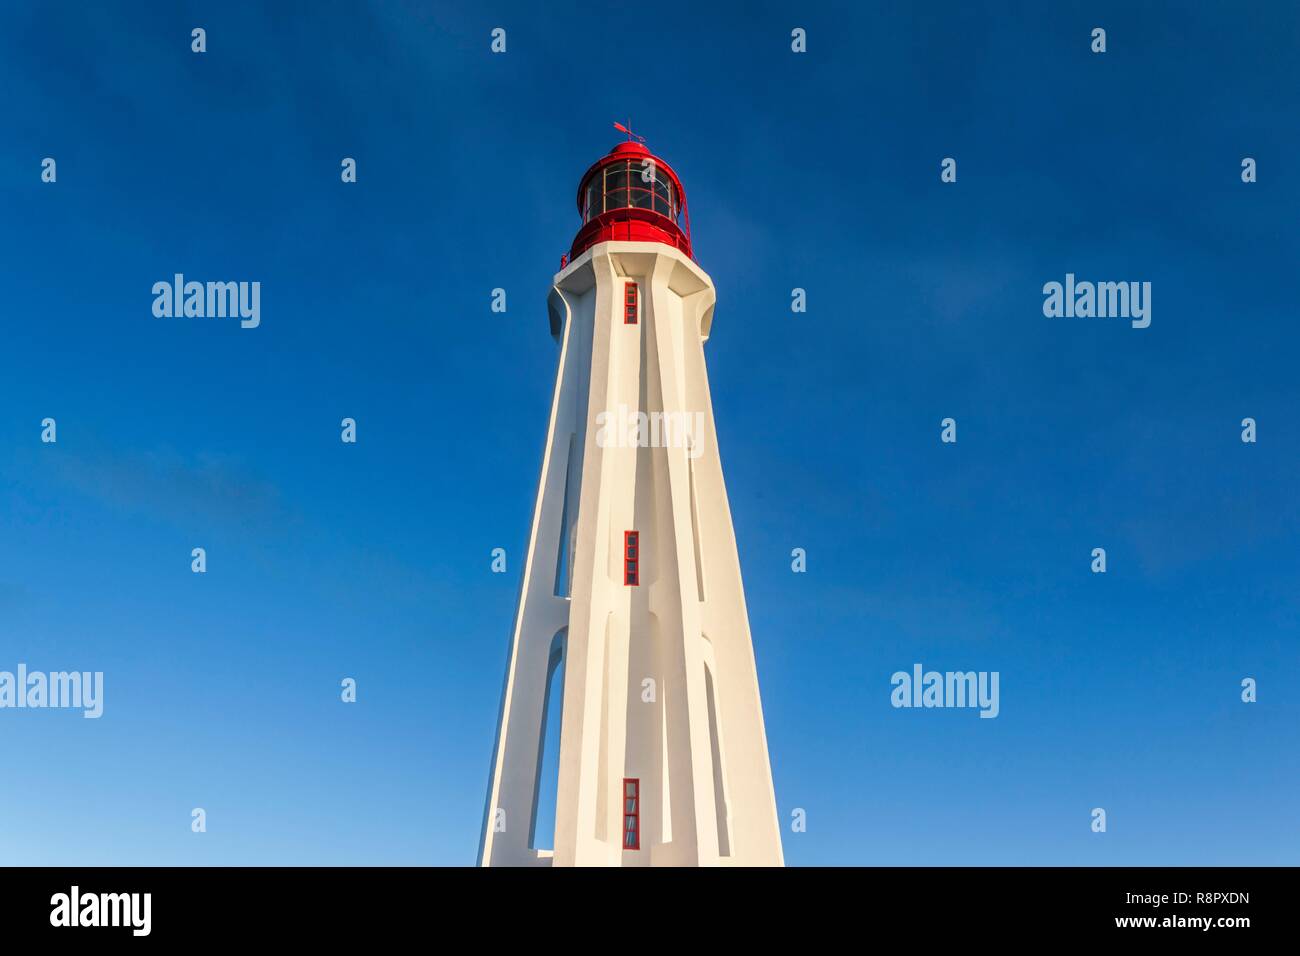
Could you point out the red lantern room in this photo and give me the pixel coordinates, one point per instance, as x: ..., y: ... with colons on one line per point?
x: 631, y: 195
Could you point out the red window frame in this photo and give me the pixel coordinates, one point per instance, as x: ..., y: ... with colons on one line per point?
x: 631, y: 303
x: 631, y: 558
x: 632, y: 813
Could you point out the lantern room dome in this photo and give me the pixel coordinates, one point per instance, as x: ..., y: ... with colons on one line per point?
x: 631, y: 195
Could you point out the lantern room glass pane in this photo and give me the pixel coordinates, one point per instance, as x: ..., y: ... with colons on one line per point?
x: 616, y: 177
x: 592, y: 205
x: 624, y: 185
x: 663, y: 192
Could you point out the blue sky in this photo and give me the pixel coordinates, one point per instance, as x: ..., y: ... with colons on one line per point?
x: 819, y: 171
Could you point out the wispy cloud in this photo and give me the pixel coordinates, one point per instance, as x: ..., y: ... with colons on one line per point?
x: 176, y: 487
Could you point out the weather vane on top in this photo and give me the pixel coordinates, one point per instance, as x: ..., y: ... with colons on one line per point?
x: 630, y: 135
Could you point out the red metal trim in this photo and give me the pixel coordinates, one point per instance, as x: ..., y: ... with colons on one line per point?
x: 686, y: 213
x: 630, y: 225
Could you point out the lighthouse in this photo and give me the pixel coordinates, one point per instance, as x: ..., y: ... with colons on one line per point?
x: 631, y: 630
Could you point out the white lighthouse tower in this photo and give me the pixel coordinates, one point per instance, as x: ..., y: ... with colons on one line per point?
x: 631, y: 628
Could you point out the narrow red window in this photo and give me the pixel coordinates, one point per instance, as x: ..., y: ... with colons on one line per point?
x: 631, y: 559
x: 630, y: 304
x: 631, y: 813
